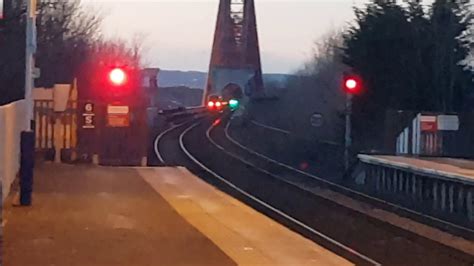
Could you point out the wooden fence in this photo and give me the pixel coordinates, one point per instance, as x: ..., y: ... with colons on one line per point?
x: 55, y: 131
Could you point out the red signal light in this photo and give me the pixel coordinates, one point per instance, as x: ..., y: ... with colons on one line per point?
x: 352, y: 85
x: 210, y: 104
x: 218, y: 104
x: 117, y: 76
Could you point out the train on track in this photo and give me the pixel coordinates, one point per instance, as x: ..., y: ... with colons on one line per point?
x: 219, y: 104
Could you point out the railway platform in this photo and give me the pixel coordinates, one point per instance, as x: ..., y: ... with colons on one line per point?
x: 89, y: 215
x: 454, y: 169
x: 444, y: 187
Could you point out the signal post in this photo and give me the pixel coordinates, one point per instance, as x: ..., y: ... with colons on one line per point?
x: 352, y: 85
x: 113, y: 126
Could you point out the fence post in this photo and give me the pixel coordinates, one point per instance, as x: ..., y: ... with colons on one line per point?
x: 435, y: 195
x: 469, y: 206
x: 58, y: 139
x: 460, y: 202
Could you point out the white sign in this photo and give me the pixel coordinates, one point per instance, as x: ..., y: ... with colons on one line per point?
x: 317, y: 120
x: 426, y: 118
x: 89, y: 116
x: 89, y: 122
x: 448, y: 122
x: 118, y: 110
x: 36, y: 73
x: 89, y: 108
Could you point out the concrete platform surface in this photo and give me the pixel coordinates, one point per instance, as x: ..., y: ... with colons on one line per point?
x: 101, y: 216
x: 84, y: 215
x: 447, y: 168
x: 247, y: 236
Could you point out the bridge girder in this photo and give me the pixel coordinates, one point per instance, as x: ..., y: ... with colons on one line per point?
x: 235, y: 57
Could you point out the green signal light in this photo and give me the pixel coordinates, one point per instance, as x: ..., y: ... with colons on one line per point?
x: 234, y: 104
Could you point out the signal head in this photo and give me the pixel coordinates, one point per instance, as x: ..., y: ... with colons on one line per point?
x: 352, y: 84
x: 233, y: 104
x: 117, y: 76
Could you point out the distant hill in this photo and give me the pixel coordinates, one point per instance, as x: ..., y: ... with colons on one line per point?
x: 196, y: 79
x: 179, y: 96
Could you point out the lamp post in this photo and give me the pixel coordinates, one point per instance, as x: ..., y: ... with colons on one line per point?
x: 28, y: 136
x: 30, y: 62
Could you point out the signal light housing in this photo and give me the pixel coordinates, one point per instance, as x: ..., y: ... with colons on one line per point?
x: 233, y: 104
x: 117, y: 76
x: 352, y: 84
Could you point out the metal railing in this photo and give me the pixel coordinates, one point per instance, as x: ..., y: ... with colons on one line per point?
x: 443, y: 196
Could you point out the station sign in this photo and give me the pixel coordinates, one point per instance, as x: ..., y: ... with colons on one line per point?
x: 434, y: 123
x: 428, y: 123
x: 448, y: 122
x: 88, y: 115
x: 118, y: 116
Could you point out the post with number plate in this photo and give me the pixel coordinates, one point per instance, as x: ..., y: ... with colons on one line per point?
x: 88, y: 116
x: 28, y: 135
x: 114, y: 123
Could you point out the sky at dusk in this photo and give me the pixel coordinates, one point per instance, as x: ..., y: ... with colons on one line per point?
x: 179, y: 33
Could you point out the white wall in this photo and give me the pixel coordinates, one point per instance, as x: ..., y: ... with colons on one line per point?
x: 12, y: 122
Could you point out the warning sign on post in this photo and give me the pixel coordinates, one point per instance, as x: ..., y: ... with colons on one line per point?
x: 118, y: 116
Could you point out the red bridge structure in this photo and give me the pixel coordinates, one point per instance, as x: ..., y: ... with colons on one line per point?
x: 235, y: 70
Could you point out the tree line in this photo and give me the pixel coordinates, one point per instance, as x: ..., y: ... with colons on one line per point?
x: 410, y: 57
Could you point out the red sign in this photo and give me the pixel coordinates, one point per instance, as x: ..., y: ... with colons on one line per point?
x: 118, y: 116
x: 118, y: 120
x: 429, y: 124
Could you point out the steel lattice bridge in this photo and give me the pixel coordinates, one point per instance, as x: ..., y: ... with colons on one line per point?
x: 235, y: 69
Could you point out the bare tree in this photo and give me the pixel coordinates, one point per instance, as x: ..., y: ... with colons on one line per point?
x: 66, y: 31
x: 316, y: 89
x: 139, y: 48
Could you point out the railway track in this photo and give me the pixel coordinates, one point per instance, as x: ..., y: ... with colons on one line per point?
x: 206, y: 148
x: 345, y: 187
